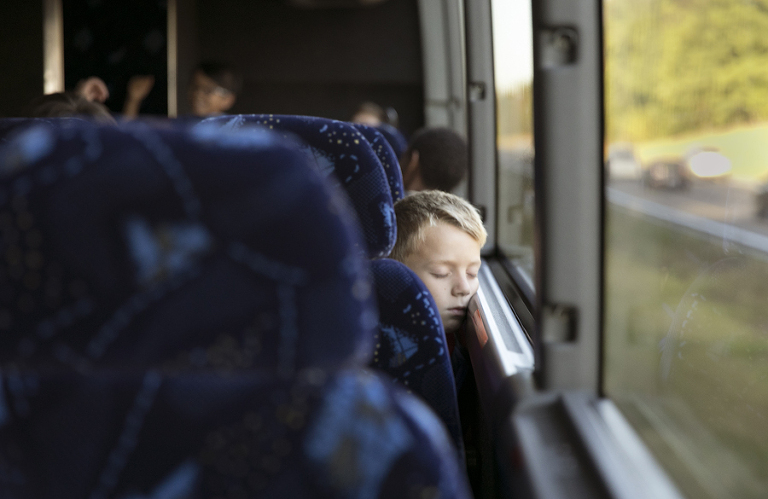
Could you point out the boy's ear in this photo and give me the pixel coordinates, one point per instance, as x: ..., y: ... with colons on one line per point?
x: 413, y: 163
x: 411, y: 174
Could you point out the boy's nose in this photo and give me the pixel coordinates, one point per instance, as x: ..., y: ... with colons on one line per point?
x: 461, y: 286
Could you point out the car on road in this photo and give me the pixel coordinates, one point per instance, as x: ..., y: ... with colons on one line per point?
x: 622, y: 163
x: 667, y: 173
x: 708, y: 163
x: 761, y: 201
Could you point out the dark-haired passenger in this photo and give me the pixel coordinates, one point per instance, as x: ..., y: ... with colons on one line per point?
x: 68, y: 104
x: 213, y: 89
x: 436, y: 158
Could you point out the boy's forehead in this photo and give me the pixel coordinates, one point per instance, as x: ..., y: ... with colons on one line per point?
x: 447, y: 242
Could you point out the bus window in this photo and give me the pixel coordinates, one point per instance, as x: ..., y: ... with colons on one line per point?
x: 513, y: 74
x: 686, y: 245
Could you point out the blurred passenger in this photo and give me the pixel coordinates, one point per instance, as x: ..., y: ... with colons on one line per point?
x: 436, y: 158
x: 68, y: 104
x: 92, y: 89
x: 371, y: 114
x: 138, y: 88
x: 213, y: 89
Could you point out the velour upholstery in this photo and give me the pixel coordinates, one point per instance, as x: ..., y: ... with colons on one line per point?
x: 387, y: 157
x: 410, y: 342
x: 318, y: 434
x: 395, y: 138
x: 9, y: 127
x: 101, y: 225
x: 185, y: 314
x: 339, y: 150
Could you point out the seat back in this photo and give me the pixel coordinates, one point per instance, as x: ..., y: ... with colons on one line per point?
x: 9, y: 127
x: 410, y: 343
x: 339, y: 150
x: 395, y: 138
x: 146, y: 247
x: 185, y: 315
x: 339, y: 434
x: 387, y: 157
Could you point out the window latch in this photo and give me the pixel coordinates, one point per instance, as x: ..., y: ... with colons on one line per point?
x: 558, y: 324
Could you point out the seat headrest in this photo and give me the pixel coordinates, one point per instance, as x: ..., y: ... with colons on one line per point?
x: 9, y: 127
x: 411, y: 345
x: 387, y: 157
x: 133, y: 246
x: 395, y: 138
x: 340, y: 151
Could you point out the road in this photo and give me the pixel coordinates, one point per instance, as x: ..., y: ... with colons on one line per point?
x: 722, y: 210
x: 725, y: 202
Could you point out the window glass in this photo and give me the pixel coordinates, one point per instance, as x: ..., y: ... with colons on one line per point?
x: 513, y: 73
x: 686, y: 236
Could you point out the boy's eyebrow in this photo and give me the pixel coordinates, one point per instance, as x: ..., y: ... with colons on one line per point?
x: 448, y: 262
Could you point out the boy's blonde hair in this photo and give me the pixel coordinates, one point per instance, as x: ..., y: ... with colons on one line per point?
x: 425, y: 209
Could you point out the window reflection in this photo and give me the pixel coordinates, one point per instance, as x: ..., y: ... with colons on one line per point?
x: 513, y: 67
x: 686, y: 162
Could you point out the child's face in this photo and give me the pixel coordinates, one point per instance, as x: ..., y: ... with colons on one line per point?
x: 207, y: 97
x: 448, y: 262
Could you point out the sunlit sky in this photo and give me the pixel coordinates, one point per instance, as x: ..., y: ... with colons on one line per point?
x: 512, y: 41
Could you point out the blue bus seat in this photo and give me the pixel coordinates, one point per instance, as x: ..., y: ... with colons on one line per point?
x: 9, y: 127
x: 102, y: 224
x: 319, y: 434
x: 387, y: 157
x: 410, y: 342
x: 395, y: 138
x: 338, y: 148
x: 198, y: 326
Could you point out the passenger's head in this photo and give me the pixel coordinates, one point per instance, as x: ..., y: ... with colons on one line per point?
x: 436, y: 158
x: 66, y: 104
x: 371, y: 114
x: 213, y: 88
x: 439, y: 237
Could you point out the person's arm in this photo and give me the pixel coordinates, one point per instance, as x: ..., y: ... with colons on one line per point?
x: 139, y: 87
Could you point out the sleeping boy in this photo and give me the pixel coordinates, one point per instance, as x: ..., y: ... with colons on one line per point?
x: 439, y: 237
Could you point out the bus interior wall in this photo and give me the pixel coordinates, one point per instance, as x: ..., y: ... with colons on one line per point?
x: 319, y: 62
x: 21, y: 55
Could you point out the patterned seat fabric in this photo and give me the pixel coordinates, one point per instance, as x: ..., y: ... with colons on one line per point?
x: 9, y: 127
x: 389, y: 160
x: 339, y: 434
x: 395, y: 139
x: 338, y: 148
x: 185, y: 315
x: 127, y: 245
x: 411, y: 345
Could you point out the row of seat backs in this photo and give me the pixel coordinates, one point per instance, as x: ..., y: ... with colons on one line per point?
x: 354, y: 156
x: 359, y: 158
x: 319, y: 434
x: 349, y: 152
x: 187, y: 312
x: 410, y: 341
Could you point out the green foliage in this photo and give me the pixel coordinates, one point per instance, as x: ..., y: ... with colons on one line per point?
x: 515, y: 111
x: 679, y: 66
